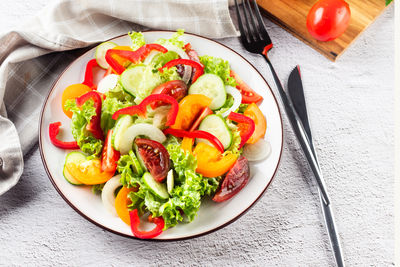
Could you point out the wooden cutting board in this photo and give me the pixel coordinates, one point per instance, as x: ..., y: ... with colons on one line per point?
x: 292, y: 16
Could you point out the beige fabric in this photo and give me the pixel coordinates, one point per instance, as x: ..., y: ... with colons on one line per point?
x: 29, y: 64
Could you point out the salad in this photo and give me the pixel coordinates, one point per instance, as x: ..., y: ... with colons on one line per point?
x: 163, y: 129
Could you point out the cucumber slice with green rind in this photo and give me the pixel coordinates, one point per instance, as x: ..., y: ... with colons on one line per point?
x: 101, y: 51
x: 76, y: 157
x: 216, y: 126
x: 136, y: 164
x: 159, y: 189
x: 212, y: 86
x: 121, y: 125
x: 139, y: 80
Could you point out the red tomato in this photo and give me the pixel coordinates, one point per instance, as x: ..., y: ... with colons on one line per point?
x: 248, y: 94
x: 176, y: 88
x: 155, y: 157
x: 234, y: 181
x: 110, y: 156
x: 328, y: 19
x: 204, y: 113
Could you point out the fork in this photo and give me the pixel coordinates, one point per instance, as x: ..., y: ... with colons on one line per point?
x: 255, y: 39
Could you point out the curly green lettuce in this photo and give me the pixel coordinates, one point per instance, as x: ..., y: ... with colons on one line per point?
x: 174, y: 40
x: 218, y: 66
x: 116, y: 99
x: 80, y: 118
x: 189, y: 189
x: 125, y: 166
x: 137, y: 40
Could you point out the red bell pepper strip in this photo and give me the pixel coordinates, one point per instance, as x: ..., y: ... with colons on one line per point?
x: 196, y: 134
x: 199, y: 69
x: 155, y: 98
x: 133, y: 56
x: 94, y: 124
x: 135, y: 222
x: 132, y: 110
x: 54, y: 129
x: 142, y: 107
x: 109, y: 156
x: 89, y: 74
x: 250, y: 126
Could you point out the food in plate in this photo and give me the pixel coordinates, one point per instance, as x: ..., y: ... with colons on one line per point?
x: 162, y: 129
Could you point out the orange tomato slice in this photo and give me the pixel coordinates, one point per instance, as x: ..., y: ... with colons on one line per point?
x: 71, y: 92
x: 189, y: 108
x: 121, y: 204
x: 88, y: 172
x: 254, y: 112
x: 210, y: 162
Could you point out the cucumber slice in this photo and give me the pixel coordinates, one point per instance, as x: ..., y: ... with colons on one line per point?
x: 212, y: 86
x: 139, y: 158
x: 216, y: 126
x: 136, y: 164
x: 100, y: 53
x: 121, y: 125
x: 170, y: 181
x: 77, y: 158
x: 139, y: 81
x: 157, y: 188
x: 137, y: 129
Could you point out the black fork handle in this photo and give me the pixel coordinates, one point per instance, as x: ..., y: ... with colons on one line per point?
x: 301, y: 134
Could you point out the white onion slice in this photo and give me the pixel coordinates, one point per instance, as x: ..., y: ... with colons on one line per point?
x: 182, y: 54
x: 258, y: 151
x: 160, y: 116
x: 107, y: 83
x: 139, y: 129
x: 108, y: 196
x: 237, y: 99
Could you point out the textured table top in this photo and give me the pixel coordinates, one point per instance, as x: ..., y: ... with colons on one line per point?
x: 350, y: 106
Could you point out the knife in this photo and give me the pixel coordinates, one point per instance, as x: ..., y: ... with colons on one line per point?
x: 296, y: 94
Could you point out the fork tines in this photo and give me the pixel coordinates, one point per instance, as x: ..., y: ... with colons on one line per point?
x: 251, y: 24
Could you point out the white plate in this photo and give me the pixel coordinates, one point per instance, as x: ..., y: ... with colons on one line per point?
x: 211, y: 216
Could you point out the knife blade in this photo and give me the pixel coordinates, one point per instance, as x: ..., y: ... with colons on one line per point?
x: 296, y: 94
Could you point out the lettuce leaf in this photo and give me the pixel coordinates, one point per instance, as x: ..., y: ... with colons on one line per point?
x: 97, y: 188
x: 137, y: 40
x: 174, y: 40
x: 161, y: 59
x: 227, y: 105
x: 189, y: 189
x: 80, y: 118
x: 218, y: 66
x: 115, y: 100
x: 129, y: 178
x: 169, y: 75
x: 242, y: 108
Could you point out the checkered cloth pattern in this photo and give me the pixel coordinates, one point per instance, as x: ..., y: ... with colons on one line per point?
x: 32, y: 56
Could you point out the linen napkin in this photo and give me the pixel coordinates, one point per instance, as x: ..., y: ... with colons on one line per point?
x: 30, y: 62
